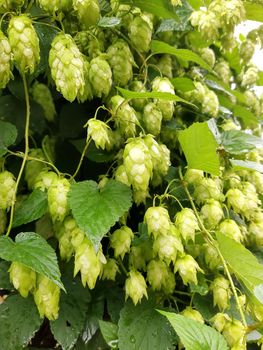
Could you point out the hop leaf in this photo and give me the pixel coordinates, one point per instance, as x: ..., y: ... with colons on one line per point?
x: 67, y: 66
x: 24, y: 43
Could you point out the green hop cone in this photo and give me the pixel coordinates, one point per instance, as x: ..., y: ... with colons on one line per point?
x: 138, y: 103
x: 211, y: 213
x: 8, y: 5
x: 219, y: 321
x: 5, y: 61
x: 88, y: 12
x: 252, y: 200
x: 100, y: 76
x: 33, y: 167
x: 212, y: 258
x: 223, y: 70
x: 77, y: 237
x: 45, y: 179
x: 135, y: 287
x: 109, y: 270
x: 88, y: 263
x: 169, y: 286
x: 247, y: 49
x: 138, y: 164
x: 46, y: 296
x: 57, y: 199
x: 140, y: 33
x: 252, y: 102
x: 87, y: 93
x: 236, y: 200
x: 234, y: 332
x: 229, y: 12
x: 7, y: 189
x: 231, y: 229
x: 195, y: 315
x: 42, y: 95
x: 166, y: 107
x: 120, y: 241
x: 99, y: 132
x: 140, y: 254
x: 3, y: 221
x: 67, y: 66
x: 256, y: 179
x: 220, y: 288
x: 250, y: 76
x: 22, y: 277
x: 187, y: 268
x: 165, y: 65
x: 24, y: 43
x: 152, y: 118
x: 124, y: 116
x: 158, y: 221
x: 157, y: 273
x: 63, y: 233
x: 121, y: 61
x: 206, y: 189
x: 193, y: 176
x: 55, y: 5
x: 208, y: 56
x: 207, y: 22
x: 187, y: 224
x: 121, y: 175
x: 255, y: 230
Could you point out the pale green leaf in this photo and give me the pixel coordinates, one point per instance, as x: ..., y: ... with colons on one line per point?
x: 141, y: 327
x: 128, y: 94
x: 246, y: 115
x: 246, y: 165
x: 183, y: 54
x: 8, y: 135
x: 254, y: 12
x: 32, y: 208
x: 108, y: 22
x: 4, y: 276
x: 236, y: 141
x: 242, y: 262
x: 200, y: 148
x: 183, y: 84
x: 159, y: 8
x: 72, y: 313
x: 97, y: 210
x: 109, y: 332
x: 194, y: 335
x: 34, y: 252
x: 196, y: 4
x: 19, y: 321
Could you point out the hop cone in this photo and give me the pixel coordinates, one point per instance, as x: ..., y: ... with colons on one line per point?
x: 223, y: 70
x: 52, y: 6
x: 100, y: 76
x: 138, y: 103
x: 24, y: 43
x: 152, y: 118
x: 135, y: 287
x: 166, y: 66
x: 23, y: 278
x: 8, y: 5
x: 121, y: 61
x: 57, y: 199
x: 67, y: 66
x: 7, y: 189
x: 157, y: 273
x: 5, y: 61
x: 46, y: 297
x: 34, y: 167
x: 42, y: 95
x: 121, y: 241
x: 140, y: 33
x: 86, y: 94
x: 88, y: 12
x: 99, y: 132
x: 166, y: 107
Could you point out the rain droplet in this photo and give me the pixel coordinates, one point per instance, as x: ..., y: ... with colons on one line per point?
x: 132, y: 339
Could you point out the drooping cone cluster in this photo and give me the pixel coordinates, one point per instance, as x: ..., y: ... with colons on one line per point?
x: 5, y: 61
x: 42, y: 95
x: 67, y: 66
x: 24, y: 43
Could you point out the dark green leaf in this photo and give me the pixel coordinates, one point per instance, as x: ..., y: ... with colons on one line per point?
x: 32, y: 208
x: 108, y: 22
x: 4, y: 276
x: 93, y: 153
x: 247, y: 165
x: 236, y: 142
x: 72, y: 313
x: 246, y: 115
x: 243, y: 263
x: 159, y: 8
x: 183, y: 84
x: 183, y: 54
x: 128, y: 94
x: 194, y: 335
x: 200, y: 148
x: 109, y: 332
x: 8, y: 135
x: 204, y: 304
x: 19, y: 321
x: 141, y: 327
x: 33, y: 251
x: 200, y: 288
x: 95, y: 210
x: 254, y: 12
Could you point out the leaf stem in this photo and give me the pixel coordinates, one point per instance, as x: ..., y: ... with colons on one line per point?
x: 25, y: 156
x: 212, y: 241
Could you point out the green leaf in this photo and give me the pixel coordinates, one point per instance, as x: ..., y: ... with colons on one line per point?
x: 246, y: 115
x: 108, y: 22
x: 200, y: 148
x: 196, y: 4
x: 254, y: 12
x: 109, y: 332
x: 194, y: 335
x: 8, y: 135
x: 19, y: 321
x: 242, y: 262
x: 183, y: 84
x: 32, y: 208
x: 97, y: 210
x: 204, y: 304
x: 72, y: 313
x: 142, y: 328
x: 236, y: 141
x: 260, y: 79
x: 128, y: 94
x: 4, y: 276
x: 183, y: 54
x: 159, y: 8
x: 234, y: 60
x: 33, y: 251
x: 247, y: 165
